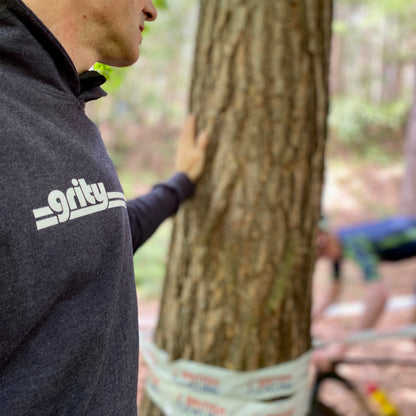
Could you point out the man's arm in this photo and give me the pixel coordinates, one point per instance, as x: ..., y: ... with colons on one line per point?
x: 147, y: 212
x: 330, y: 296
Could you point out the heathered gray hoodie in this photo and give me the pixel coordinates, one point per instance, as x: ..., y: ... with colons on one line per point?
x: 68, y: 311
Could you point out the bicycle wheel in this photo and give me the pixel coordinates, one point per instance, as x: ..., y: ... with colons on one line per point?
x: 334, y: 395
x: 320, y: 409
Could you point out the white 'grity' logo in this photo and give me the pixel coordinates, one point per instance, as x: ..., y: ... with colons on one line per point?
x: 76, y: 202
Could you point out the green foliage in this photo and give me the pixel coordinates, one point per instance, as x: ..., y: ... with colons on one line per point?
x: 387, y: 6
x: 372, y: 76
x: 114, y: 76
x: 381, y: 10
x: 400, y: 7
x: 339, y: 27
x: 354, y: 120
x: 160, y: 4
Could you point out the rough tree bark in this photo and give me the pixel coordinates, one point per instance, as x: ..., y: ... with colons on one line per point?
x: 238, y: 284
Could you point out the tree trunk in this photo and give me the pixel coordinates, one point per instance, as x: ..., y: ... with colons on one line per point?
x: 408, y: 196
x: 238, y: 285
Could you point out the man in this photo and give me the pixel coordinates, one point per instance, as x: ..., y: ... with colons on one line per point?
x: 68, y: 308
x: 367, y: 244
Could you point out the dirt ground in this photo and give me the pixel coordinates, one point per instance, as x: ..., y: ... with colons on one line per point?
x: 369, y: 193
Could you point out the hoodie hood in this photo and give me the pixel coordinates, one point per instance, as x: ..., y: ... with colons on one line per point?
x: 43, y: 58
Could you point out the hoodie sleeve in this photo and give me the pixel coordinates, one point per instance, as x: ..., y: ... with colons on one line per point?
x: 147, y: 212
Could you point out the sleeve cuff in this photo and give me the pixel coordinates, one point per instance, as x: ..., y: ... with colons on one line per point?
x: 182, y: 185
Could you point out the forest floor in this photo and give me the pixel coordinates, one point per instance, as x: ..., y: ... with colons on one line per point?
x: 354, y: 194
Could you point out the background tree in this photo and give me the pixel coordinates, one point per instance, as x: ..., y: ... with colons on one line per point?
x: 371, y: 75
x: 238, y: 282
x: 408, y: 194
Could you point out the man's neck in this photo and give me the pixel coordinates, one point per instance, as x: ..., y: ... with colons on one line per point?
x: 64, y: 21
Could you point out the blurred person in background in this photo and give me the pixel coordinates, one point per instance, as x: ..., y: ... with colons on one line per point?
x: 367, y: 244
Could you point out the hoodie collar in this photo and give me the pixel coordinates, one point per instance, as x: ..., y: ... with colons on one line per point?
x: 85, y: 87
x: 90, y: 83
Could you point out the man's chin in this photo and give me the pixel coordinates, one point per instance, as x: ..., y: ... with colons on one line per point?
x: 122, y: 61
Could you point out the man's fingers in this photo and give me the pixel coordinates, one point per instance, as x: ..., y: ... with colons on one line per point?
x: 203, y: 139
x: 191, y: 152
x: 188, y: 132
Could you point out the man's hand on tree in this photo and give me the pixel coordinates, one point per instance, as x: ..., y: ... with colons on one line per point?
x: 191, y: 153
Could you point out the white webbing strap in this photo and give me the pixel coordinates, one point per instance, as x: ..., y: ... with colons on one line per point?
x: 183, y: 387
x: 368, y: 335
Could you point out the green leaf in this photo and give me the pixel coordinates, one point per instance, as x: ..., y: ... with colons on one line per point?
x: 114, y: 76
x: 160, y: 4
